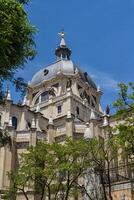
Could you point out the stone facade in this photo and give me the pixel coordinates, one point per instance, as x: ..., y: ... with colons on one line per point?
x: 61, y: 101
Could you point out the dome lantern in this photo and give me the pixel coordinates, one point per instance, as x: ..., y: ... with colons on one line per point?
x: 63, y: 52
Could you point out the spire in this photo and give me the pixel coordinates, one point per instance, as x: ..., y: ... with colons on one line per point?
x: 62, y: 43
x: 8, y: 94
x: 105, y: 119
x: 92, y: 115
x: 63, y: 51
x: 108, y: 110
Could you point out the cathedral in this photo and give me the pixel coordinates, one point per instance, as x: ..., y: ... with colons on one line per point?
x: 62, y: 100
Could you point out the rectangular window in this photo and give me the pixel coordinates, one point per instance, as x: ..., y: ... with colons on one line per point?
x: 59, y: 109
x: 77, y: 110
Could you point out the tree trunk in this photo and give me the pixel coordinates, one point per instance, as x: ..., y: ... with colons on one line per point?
x: 42, y: 194
x: 49, y: 193
x: 25, y: 195
x: 68, y: 187
x: 103, y: 185
x: 109, y: 182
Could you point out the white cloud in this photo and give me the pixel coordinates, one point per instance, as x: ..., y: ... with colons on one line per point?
x: 104, y: 80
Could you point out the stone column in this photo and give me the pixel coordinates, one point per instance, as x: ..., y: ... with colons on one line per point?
x: 8, y: 157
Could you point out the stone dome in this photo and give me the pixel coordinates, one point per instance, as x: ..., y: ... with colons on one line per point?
x: 66, y: 67
x: 63, y: 65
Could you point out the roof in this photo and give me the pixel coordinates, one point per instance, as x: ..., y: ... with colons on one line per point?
x: 67, y: 67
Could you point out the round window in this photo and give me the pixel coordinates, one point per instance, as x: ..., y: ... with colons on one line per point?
x: 46, y: 72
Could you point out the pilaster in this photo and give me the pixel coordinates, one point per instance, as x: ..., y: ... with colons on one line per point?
x: 69, y: 125
x: 33, y: 137
x: 8, y: 157
x: 51, y: 133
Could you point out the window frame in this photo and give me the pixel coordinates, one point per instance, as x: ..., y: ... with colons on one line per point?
x: 59, y: 111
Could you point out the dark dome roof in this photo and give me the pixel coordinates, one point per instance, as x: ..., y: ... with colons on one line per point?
x: 67, y: 67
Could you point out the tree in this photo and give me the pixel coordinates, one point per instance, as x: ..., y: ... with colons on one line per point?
x: 60, y: 171
x: 103, y: 155
x: 125, y: 113
x: 50, y: 171
x: 125, y: 98
x: 16, y: 46
x: 16, y: 39
x: 73, y: 161
x: 110, y: 154
x: 29, y: 175
x: 5, y: 139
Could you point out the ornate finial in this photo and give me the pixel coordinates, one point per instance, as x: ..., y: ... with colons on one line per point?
x: 107, y: 110
x: 92, y: 115
x: 62, y: 33
x: 63, y: 52
x: 105, y: 121
x: 105, y: 117
x: 8, y: 94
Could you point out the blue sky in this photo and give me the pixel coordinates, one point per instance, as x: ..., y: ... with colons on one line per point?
x: 99, y: 32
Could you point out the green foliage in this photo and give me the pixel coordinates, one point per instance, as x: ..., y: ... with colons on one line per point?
x: 16, y: 38
x: 20, y: 85
x: 52, y: 170
x: 5, y: 139
x: 125, y: 101
x: 126, y: 135
x: 125, y: 112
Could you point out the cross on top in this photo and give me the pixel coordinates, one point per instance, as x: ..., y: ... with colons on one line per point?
x: 62, y: 34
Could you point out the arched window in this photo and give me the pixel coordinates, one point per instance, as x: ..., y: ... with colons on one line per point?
x: 44, y: 96
x: 14, y: 122
x: 37, y: 101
